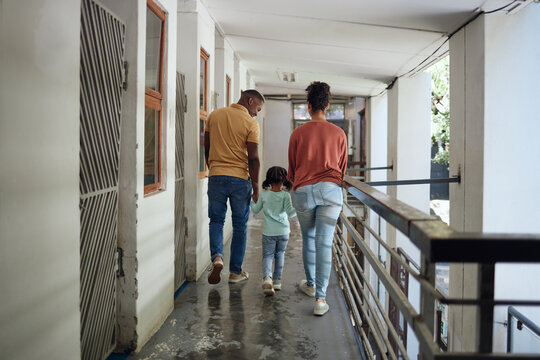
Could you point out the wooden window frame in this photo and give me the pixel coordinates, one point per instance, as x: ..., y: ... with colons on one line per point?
x: 203, y: 113
x: 153, y: 99
x: 227, y: 90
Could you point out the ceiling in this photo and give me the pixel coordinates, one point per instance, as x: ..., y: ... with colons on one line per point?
x: 357, y: 46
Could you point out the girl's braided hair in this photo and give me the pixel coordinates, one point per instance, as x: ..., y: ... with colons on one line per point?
x: 276, y: 175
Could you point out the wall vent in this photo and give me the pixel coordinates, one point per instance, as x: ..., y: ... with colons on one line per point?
x: 289, y: 77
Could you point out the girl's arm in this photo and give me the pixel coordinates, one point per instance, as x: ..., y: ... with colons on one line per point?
x: 289, y: 209
x: 257, y: 206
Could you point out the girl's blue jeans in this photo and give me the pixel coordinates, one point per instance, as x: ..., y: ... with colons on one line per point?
x: 318, y: 207
x: 238, y: 192
x: 273, y: 247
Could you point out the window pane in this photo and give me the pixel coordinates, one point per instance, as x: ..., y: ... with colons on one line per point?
x: 153, y: 50
x: 301, y: 112
x: 203, y: 84
x: 336, y: 112
x: 151, y: 146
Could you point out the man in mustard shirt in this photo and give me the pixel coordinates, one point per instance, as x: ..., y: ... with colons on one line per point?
x: 231, y: 138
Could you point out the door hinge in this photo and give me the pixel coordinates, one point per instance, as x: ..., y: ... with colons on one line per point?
x: 185, y: 102
x: 120, y: 264
x: 125, y: 75
x: 185, y: 226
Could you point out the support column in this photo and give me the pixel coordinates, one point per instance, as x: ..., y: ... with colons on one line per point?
x: 409, y: 143
x: 494, y: 123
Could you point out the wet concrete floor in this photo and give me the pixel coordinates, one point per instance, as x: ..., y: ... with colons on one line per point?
x: 236, y: 321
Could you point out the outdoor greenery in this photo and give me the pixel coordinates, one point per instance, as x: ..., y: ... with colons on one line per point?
x: 440, y: 110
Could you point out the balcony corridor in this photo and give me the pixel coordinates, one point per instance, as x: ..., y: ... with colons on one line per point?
x: 238, y: 322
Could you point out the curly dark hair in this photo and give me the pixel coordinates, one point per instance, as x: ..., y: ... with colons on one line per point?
x: 318, y: 95
x: 276, y: 175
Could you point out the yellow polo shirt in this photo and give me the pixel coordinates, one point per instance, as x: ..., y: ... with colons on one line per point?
x: 230, y: 128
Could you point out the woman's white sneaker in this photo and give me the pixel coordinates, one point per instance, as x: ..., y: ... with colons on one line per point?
x: 306, y: 289
x: 321, y: 307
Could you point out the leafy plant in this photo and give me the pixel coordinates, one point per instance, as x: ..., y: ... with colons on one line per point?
x: 440, y: 110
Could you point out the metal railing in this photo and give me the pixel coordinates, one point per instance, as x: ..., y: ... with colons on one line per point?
x: 437, y: 242
x: 522, y: 320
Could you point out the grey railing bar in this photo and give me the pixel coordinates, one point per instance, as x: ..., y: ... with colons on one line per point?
x: 421, y: 330
x: 400, y: 251
x: 437, y: 240
x: 358, y: 300
x: 513, y: 312
x: 377, y: 302
x: 524, y: 319
x: 392, y: 252
x: 366, y: 301
x: 415, y: 182
x: 370, y: 168
x: 355, y: 315
x: 415, y: 274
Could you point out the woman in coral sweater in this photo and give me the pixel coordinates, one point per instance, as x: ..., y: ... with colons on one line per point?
x: 317, y: 163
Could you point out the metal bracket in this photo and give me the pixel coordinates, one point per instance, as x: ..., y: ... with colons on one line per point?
x: 125, y: 75
x: 120, y: 262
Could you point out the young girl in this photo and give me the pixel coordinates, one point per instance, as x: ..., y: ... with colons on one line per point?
x: 276, y: 205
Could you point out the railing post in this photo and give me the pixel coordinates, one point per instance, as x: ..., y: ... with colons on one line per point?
x: 486, y: 291
x: 427, y: 301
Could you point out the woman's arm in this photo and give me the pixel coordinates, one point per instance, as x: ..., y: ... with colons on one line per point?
x: 292, y: 158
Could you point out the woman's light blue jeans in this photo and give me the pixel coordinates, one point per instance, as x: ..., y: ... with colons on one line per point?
x: 318, y: 207
x: 273, y: 247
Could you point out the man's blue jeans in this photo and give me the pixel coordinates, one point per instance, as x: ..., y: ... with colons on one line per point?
x: 273, y: 247
x: 238, y: 191
x: 318, y: 207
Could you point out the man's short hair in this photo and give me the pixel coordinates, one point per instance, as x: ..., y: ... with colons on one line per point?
x: 253, y: 93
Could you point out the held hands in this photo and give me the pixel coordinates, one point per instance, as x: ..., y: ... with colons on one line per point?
x: 255, y: 195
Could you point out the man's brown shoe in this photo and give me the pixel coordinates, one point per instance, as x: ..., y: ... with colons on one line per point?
x: 215, y: 273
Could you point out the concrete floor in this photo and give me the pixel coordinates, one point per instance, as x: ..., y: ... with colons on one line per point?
x: 238, y: 322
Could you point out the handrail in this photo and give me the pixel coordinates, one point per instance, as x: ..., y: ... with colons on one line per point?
x: 437, y: 242
x: 390, y: 167
x: 513, y: 312
x: 453, y: 179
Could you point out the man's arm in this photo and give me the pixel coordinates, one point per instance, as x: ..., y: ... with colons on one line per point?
x: 254, y: 165
x: 207, y: 147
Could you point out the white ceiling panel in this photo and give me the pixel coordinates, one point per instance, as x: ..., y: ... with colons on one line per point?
x: 357, y: 46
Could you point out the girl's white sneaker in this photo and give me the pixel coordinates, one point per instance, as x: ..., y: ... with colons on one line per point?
x: 268, y: 287
x: 277, y: 284
x: 321, y: 307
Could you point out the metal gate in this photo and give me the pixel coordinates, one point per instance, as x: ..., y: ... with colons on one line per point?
x: 101, y: 76
x: 179, y: 218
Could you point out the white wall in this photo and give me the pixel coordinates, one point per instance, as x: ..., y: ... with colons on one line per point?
x: 277, y: 130
x: 376, y: 148
x: 196, y: 29
x: 466, y: 157
x: 511, y: 127
x: 511, y: 137
x: 39, y: 181
x: 494, y: 79
x: 409, y: 144
x: 155, y: 222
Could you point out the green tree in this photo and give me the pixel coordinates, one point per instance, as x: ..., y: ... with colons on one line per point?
x: 440, y: 110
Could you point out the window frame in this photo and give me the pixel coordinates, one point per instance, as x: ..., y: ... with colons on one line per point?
x: 227, y: 90
x: 203, y: 113
x: 153, y: 99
